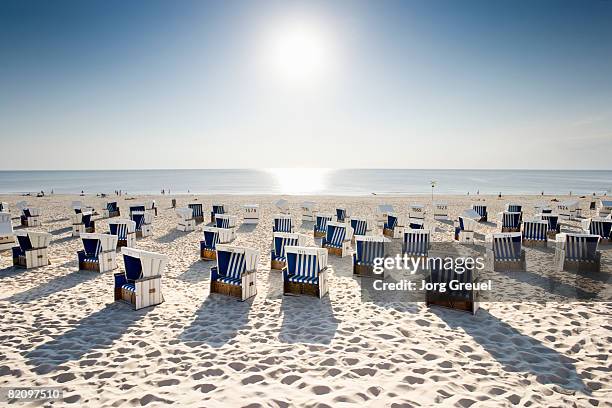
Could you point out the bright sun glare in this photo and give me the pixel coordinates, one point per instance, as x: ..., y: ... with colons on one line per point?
x: 300, y: 180
x: 298, y: 52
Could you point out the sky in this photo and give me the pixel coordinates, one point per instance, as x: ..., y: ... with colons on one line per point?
x: 334, y: 84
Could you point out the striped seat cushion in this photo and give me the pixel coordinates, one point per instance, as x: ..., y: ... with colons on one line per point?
x: 279, y: 247
x: 129, y: 286
x: 359, y: 227
x: 91, y: 260
x: 303, y: 268
x: 304, y: 279
x: 231, y: 267
x: 231, y: 281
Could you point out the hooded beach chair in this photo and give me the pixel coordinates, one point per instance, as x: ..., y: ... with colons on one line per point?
x: 217, y: 209
x: 416, y: 243
x: 338, y: 238
x: 417, y: 212
x: 569, y: 210
x: 99, y: 252
x: 236, y: 272
x: 342, y: 215
x: 465, y: 226
x: 282, y: 223
x: 535, y: 233
x: 137, y: 208
x: 460, y: 298
x: 382, y: 213
x: 554, y: 227
x: 511, y: 221
x: 4, y: 207
x: 542, y: 208
x: 82, y: 222
x: 77, y: 206
x: 125, y: 230
x: 514, y: 208
x: 30, y: 217
x: 578, y: 252
x: 308, y: 211
x: 226, y: 222
x: 320, y: 227
x: 482, y: 211
x: 150, y: 207
x: 605, y: 208
x: 306, y: 271
x: 280, y: 240
x: 198, y: 213
x: 599, y: 226
x: 186, y: 222
x: 143, y: 220
x: 251, y: 214
x: 369, y: 250
x: 394, y: 227
x: 32, y: 251
x: 111, y: 210
x: 282, y: 206
x: 212, y: 237
x: 360, y: 226
x: 440, y: 211
x: 7, y: 236
x: 505, y: 252
x: 140, y: 284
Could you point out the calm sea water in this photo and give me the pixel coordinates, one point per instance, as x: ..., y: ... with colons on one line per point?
x: 309, y: 181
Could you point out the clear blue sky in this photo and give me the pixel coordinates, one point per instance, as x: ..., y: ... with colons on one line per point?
x: 404, y: 84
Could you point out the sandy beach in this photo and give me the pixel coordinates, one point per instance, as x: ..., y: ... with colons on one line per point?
x: 61, y: 327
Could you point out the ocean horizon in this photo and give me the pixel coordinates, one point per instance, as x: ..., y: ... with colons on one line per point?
x: 305, y: 181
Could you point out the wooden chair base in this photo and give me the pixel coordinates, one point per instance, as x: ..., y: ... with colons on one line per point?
x: 277, y: 265
x: 367, y: 271
x: 296, y: 288
x: 582, y: 266
x: 451, y: 303
x: 226, y: 289
x: 511, y: 229
x: 208, y: 254
x: 319, y: 234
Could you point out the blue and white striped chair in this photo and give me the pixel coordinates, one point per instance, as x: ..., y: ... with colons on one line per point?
x: 441, y: 293
x: 605, y: 208
x: 217, y: 209
x: 198, y: 213
x: 465, y: 226
x: 99, y: 252
x: 280, y: 240
x: 320, y: 227
x: 112, y: 210
x: 416, y: 243
x: 392, y: 227
x: 186, y: 222
x: 306, y: 271
x: 511, y: 221
x: 554, y: 227
x: 505, y: 252
x: 308, y: 211
x: 338, y: 238
x: 236, y: 272
x: 514, y: 208
x: 482, y: 211
x: 282, y: 223
x: 535, y: 233
x: 137, y: 208
x: 32, y: 251
x: 82, y: 222
x: 140, y: 284
x: 7, y: 236
x: 212, y: 237
x: 226, y: 222
x: 360, y: 227
x: 599, y: 226
x: 342, y: 215
x: 368, y: 251
x: 143, y: 220
x: 125, y: 230
x: 578, y: 252
x: 382, y: 213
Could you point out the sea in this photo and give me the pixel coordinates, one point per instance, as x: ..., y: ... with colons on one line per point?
x: 309, y: 181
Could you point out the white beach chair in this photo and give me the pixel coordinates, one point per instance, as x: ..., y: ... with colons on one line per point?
x: 369, y: 248
x: 150, y: 207
x: 198, y: 213
x: 140, y: 284
x: 512, y: 207
x: 306, y: 271
x: 32, y: 251
x: 569, y: 210
x: 535, y: 233
x: 82, y: 222
x: 599, y: 226
x: 186, y: 222
x: 99, y: 252
x: 465, y: 226
x: 125, y: 230
x: 338, y: 238
x: 280, y: 240
x: 226, y: 222
x: 578, y: 252
x: 395, y: 225
x: 382, y: 212
x: 251, y: 214
x: 511, y: 221
x: 282, y: 206
x: 212, y: 237
x: 481, y: 209
x: 320, y: 227
x: 144, y: 223
x: 361, y: 226
x: 110, y: 210
x: 7, y: 236
x: 308, y: 211
x: 605, y: 208
x: 236, y: 272
x: 417, y: 212
x: 4, y: 207
x: 283, y: 223
x: 416, y: 243
x: 217, y: 209
x: 505, y: 252
x: 342, y: 215
x: 440, y: 211
x: 30, y: 217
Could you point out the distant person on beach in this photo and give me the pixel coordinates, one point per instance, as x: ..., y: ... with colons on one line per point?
x: 499, y: 196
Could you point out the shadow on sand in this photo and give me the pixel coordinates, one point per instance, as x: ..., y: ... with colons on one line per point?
x: 60, y: 231
x: 199, y: 271
x: 94, y: 332
x: 246, y: 228
x: 170, y: 236
x: 515, y: 351
x: 308, y: 320
x: 58, y: 284
x: 217, y: 321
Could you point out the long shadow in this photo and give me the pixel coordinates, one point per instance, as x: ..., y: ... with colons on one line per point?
x: 246, y: 228
x: 64, y: 239
x: 197, y: 272
x: 447, y: 222
x: 217, y: 321
x: 309, y: 225
x: 94, y: 332
x: 171, y: 236
x: 60, y: 231
x: 11, y: 271
x: 515, y: 351
x: 488, y: 223
x: 308, y: 320
x: 57, y: 284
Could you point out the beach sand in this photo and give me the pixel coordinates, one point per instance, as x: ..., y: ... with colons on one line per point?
x: 60, y: 327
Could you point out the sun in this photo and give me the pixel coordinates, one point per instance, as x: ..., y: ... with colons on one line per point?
x: 297, y: 52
